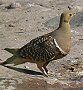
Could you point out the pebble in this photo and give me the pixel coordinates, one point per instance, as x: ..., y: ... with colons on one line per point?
x: 13, y: 5
x: 75, y: 7
x: 31, y: 5
x: 11, y: 25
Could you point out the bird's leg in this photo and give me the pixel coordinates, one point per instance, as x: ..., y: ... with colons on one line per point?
x: 41, y: 68
x: 46, y: 70
x: 44, y: 66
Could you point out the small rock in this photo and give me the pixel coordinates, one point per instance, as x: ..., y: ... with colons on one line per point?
x: 71, y: 68
x: 26, y: 20
x: 78, y: 8
x: 76, y: 57
x: 26, y: 67
x: 39, y: 29
x: 42, y: 17
x: 31, y: 5
x: 69, y: 7
x: 10, y: 25
x: 15, y: 39
x: 10, y: 6
x: 81, y: 39
x: 13, y: 6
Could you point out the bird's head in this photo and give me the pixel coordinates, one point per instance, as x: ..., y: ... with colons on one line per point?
x: 67, y: 15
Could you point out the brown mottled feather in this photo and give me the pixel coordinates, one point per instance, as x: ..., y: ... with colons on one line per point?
x: 40, y: 49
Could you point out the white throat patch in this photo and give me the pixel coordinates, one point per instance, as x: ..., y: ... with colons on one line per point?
x: 63, y: 52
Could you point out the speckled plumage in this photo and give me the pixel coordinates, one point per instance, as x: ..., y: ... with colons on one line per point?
x: 40, y: 49
x: 43, y: 49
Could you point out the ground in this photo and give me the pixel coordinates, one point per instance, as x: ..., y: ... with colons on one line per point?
x: 24, y: 20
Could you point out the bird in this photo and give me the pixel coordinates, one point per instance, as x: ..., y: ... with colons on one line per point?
x: 46, y: 48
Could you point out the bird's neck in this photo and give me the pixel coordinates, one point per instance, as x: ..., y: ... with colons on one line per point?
x: 63, y: 29
x: 64, y: 26
x: 63, y: 36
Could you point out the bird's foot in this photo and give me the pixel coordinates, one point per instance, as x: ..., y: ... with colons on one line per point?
x: 45, y: 74
x: 51, y: 74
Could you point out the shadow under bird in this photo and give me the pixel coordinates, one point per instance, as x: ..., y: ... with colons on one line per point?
x: 45, y: 48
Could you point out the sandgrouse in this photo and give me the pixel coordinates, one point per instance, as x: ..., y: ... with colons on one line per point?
x: 45, y: 48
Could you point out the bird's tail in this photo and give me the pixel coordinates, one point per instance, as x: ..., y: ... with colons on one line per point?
x: 13, y: 51
x: 15, y: 60
x: 10, y: 60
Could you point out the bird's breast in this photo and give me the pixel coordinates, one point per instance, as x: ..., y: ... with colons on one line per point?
x: 64, y: 44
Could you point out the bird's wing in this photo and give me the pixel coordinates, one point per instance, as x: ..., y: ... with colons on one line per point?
x: 41, y: 48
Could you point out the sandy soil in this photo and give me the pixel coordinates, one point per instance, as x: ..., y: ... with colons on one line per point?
x: 24, y: 20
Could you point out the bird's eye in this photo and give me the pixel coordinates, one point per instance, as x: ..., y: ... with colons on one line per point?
x: 70, y: 14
